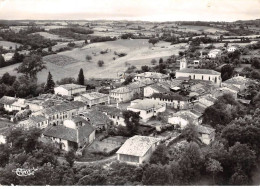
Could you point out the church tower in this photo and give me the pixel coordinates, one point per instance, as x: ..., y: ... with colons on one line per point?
x: 183, y: 63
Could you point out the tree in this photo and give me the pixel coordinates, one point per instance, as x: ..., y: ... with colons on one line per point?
x: 49, y: 86
x: 214, y: 167
x: 226, y: 72
x: 160, y: 155
x: 132, y: 121
x: 31, y: 66
x: 145, y: 68
x: 8, y: 79
x: 153, y: 61
x: 160, y: 60
x: 2, y: 61
x: 100, y: 63
x: 70, y: 157
x: 242, y: 158
x: 81, y: 78
x: 191, y: 163
x: 153, y: 41
x: 157, y: 175
x: 191, y: 134
x: 239, y: 178
x: 128, y: 80
x: 88, y: 58
x: 66, y: 80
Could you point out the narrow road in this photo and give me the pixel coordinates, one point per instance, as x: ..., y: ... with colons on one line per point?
x: 106, y: 160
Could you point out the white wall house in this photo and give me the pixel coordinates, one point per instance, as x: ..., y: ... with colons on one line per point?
x: 183, y: 118
x: 69, y: 89
x: 231, y: 49
x: 238, y: 81
x: 155, y: 88
x: 200, y: 74
x: 214, y: 53
x: 147, y: 108
x: 13, y: 104
x: 137, y: 149
x: 34, y: 121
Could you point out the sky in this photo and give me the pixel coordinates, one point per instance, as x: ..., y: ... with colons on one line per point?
x: 147, y: 10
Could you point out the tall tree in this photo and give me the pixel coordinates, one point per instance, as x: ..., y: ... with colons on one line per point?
x: 49, y: 87
x: 31, y: 66
x: 131, y: 121
x: 81, y: 78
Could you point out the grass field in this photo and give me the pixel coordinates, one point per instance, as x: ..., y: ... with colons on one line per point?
x: 52, y: 36
x: 139, y: 53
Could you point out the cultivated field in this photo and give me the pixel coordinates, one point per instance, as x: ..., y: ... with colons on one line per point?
x: 59, y: 60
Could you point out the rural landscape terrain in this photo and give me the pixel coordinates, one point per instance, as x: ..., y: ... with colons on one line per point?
x: 110, y: 102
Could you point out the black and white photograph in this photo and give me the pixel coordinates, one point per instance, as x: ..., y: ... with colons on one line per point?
x: 129, y: 93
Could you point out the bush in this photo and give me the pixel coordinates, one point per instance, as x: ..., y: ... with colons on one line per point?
x: 153, y: 61
x: 88, y: 57
x: 100, y: 63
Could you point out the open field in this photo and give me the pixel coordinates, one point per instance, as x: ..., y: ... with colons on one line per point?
x: 139, y: 52
x: 52, y: 36
x: 199, y: 29
x: 7, y: 44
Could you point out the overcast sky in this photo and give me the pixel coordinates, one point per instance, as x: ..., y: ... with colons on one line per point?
x: 149, y: 10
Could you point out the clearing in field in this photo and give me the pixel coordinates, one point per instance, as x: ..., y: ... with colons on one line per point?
x: 59, y: 60
x: 52, y: 36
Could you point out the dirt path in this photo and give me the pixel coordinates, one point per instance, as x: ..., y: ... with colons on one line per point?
x: 106, y: 160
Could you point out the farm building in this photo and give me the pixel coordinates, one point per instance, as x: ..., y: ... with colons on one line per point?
x: 137, y: 149
x: 206, y: 133
x: 155, y: 88
x: 238, y: 81
x: 70, y: 89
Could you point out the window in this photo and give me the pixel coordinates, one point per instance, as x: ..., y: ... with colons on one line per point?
x: 194, y: 77
x: 209, y: 78
x: 202, y: 77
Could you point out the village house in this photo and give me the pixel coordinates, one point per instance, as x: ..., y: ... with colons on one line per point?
x: 34, y: 121
x: 237, y: 81
x: 57, y: 114
x: 154, y: 76
x: 114, y: 114
x: 137, y: 149
x: 8, y: 56
x: 200, y: 74
x: 44, y: 101
x: 172, y: 100
x: 73, y: 134
x: 147, y: 108
x: 98, y: 120
x: 127, y: 93
x: 69, y: 89
x: 93, y: 98
x: 206, y: 133
x: 155, y: 88
x: 230, y: 89
x: 183, y: 118
x: 214, y: 53
x: 232, y: 49
x: 207, y: 100
x: 13, y: 104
